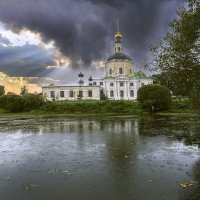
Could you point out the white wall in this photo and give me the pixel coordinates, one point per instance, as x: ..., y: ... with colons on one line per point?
x: 95, y: 92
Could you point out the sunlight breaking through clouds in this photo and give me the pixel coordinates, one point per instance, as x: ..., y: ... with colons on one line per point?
x: 14, y: 84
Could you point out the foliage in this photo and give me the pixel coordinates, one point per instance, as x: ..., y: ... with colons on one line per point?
x: 99, y: 107
x: 2, y: 90
x: 177, y: 55
x: 16, y: 103
x: 11, y: 93
x: 32, y: 101
x: 154, y: 97
x: 24, y: 91
x: 195, y: 98
x: 102, y: 95
x: 12, y: 103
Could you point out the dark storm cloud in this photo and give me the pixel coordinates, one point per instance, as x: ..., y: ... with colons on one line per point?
x: 84, y: 29
x: 4, y: 41
x: 27, y: 60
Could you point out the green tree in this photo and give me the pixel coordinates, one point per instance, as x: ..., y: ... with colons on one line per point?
x: 32, y: 101
x: 176, y: 56
x: 12, y: 103
x: 102, y: 95
x: 24, y: 91
x: 2, y: 90
x: 154, y: 97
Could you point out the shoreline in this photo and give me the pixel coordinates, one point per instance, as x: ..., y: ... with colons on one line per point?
x: 98, y: 115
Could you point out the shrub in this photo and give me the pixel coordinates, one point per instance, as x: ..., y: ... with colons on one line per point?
x: 12, y: 103
x: 195, y: 98
x: 154, y: 97
x: 32, y: 101
x: 102, y: 95
x: 2, y: 90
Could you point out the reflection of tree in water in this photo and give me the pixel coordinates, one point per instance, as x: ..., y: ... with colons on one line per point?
x: 193, y: 192
x: 120, y: 146
x: 181, y: 128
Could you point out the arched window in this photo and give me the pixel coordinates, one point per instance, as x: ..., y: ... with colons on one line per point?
x: 132, y: 93
x: 110, y: 71
x: 120, y: 71
x: 111, y: 93
x: 71, y: 93
x: 62, y: 94
x: 90, y: 93
x: 121, y: 93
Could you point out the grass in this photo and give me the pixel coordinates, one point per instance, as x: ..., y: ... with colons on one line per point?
x: 100, y: 108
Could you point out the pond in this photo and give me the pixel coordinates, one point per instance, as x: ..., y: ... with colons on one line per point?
x: 101, y: 158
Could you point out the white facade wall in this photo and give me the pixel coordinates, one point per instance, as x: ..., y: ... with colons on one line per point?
x: 129, y: 88
x: 75, y: 89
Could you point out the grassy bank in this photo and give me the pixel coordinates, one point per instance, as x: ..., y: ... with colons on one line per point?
x: 83, y: 107
x: 99, y: 108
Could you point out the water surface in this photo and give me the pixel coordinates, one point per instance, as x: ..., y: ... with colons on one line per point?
x: 113, y: 158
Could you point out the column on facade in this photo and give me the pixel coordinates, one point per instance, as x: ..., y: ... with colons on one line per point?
x: 118, y: 92
x: 127, y: 89
x: 125, y: 92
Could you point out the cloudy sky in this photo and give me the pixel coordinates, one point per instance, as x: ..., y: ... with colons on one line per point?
x: 46, y: 41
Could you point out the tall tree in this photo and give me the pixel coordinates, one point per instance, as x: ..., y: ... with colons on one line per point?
x: 177, y: 56
x: 24, y: 91
x: 2, y: 90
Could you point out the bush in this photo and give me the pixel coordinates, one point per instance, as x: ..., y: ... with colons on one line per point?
x: 12, y: 103
x: 195, y: 98
x: 16, y: 103
x: 102, y: 95
x: 32, y: 101
x: 154, y: 98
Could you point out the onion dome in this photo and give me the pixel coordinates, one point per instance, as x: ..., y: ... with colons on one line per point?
x: 118, y: 35
x: 90, y: 79
x: 80, y: 75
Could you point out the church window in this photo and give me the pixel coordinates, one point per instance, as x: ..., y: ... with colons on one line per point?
x: 121, y: 93
x: 120, y: 71
x: 110, y: 71
x: 94, y: 83
x: 121, y: 84
x: 80, y: 93
x: 131, y: 84
x: 111, y: 93
x: 130, y: 71
x: 52, y: 94
x: 119, y: 49
x: 111, y: 84
x: 101, y: 83
x: 132, y: 93
x: 62, y: 94
x: 71, y: 94
x: 90, y: 93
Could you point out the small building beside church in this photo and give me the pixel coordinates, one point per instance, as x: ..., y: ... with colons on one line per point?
x: 120, y: 82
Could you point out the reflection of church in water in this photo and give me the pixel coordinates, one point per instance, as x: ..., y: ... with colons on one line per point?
x: 120, y: 81
x: 87, y: 126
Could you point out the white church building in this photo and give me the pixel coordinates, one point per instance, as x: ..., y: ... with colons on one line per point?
x: 120, y: 81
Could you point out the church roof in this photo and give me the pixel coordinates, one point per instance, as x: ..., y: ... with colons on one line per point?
x: 120, y: 56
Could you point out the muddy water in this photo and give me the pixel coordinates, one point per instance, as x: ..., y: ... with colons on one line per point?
x: 114, y: 158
